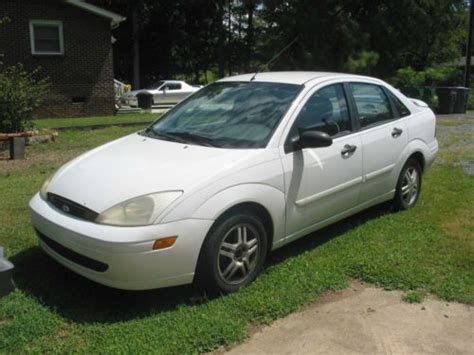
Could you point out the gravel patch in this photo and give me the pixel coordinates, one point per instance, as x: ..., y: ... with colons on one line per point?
x: 467, y: 166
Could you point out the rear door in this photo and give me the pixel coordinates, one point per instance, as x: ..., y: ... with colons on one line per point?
x: 384, y: 136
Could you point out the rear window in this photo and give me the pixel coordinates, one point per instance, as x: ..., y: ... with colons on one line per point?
x: 403, y: 111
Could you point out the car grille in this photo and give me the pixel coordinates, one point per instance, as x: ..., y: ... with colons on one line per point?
x: 71, y: 208
x: 72, y: 255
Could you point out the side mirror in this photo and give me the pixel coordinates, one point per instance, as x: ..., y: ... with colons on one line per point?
x: 314, y: 139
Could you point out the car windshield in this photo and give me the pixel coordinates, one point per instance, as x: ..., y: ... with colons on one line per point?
x: 155, y: 85
x: 228, y: 114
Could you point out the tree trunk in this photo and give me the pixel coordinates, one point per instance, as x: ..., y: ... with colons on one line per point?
x: 196, y: 75
x: 467, y: 72
x: 220, y: 39
x: 250, y: 32
x: 229, y: 37
x: 136, y: 45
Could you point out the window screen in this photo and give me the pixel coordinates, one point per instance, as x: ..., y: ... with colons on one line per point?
x: 46, y: 37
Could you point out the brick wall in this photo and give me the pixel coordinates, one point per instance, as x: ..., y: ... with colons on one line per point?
x: 82, y: 78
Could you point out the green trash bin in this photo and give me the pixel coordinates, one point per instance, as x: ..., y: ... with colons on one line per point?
x: 447, y: 99
x: 145, y: 100
x: 461, y: 99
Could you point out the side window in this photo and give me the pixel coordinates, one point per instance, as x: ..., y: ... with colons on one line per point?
x: 403, y: 111
x: 326, y: 111
x: 173, y: 87
x: 372, y: 104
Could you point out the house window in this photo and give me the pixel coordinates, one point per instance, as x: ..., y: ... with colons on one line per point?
x: 46, y: 37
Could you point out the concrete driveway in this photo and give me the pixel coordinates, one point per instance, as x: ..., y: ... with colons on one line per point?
x: 368, y: 320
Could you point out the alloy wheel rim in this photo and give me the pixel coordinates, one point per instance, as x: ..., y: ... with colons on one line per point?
x: 238, y: 253
x: 410, y: 186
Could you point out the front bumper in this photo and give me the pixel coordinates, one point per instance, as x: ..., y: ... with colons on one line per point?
x: 126, y: 251
x: 6, y: 270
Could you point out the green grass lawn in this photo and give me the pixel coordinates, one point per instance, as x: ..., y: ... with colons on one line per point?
x: 428, y: 249
x: 99, y: 120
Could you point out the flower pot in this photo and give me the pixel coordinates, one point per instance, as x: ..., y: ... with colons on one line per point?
x: 17, y: 148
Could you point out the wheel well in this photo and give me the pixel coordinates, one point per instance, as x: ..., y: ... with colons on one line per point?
x: 258, y: 210
x: 420, y: 158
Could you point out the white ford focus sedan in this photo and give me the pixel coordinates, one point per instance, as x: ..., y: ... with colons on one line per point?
x: 240, y: 168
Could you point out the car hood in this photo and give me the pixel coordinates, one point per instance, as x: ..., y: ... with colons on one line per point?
x: 137, y: 165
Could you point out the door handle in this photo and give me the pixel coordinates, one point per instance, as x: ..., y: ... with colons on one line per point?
x: 348, y: 150
x: 397, y: 132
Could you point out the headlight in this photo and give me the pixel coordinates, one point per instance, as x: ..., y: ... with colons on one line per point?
x: 139, y: 211
x: 44, y: 188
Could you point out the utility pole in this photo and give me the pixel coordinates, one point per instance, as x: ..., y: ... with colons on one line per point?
x: 467, y: 72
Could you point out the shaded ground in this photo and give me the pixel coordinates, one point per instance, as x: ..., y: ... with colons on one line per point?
x: 368, y: 320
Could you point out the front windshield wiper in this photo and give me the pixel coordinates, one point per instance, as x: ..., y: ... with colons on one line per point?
x: 150, y: 132
x: 194, y: 137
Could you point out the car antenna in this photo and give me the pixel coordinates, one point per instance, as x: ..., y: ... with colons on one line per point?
x: 260, y: 68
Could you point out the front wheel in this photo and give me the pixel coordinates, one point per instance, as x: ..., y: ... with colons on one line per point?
x: 408, y: 186
x: 233, y: 253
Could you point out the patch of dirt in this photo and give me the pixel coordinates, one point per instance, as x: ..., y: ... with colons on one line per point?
x: 466, y: 166
x: 8, y: 166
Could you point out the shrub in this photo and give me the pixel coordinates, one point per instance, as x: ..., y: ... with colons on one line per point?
x: 20, y: 94
x: 437, y: 76
x: 407, y: 77
x: 421, y: 84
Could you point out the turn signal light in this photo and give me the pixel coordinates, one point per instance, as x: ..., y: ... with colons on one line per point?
x: 164, y: 243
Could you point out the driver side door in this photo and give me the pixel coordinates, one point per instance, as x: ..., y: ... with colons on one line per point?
x: 322, y: 182
x: 168, y: 94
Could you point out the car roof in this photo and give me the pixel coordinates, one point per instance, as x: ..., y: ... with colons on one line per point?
x: 290, y: 77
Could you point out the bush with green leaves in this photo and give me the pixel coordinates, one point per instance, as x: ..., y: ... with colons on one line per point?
x: 421, y: 84
x: 435, y: 76
x: 21, y: 93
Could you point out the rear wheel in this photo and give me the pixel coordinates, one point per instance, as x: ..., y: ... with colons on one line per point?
x: 233, y: 253
x: 408, y: 186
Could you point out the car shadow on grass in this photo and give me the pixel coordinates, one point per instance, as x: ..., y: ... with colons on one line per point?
x: 83, y: 301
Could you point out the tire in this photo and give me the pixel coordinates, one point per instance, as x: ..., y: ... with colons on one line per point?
x: 233, y: 253
x: 408, y: 186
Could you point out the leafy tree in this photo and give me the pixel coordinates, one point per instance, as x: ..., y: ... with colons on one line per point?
x: 417, y: 33
x: 362, y: 63
x: 201, y: 39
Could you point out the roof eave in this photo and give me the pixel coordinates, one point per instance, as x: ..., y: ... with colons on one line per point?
x: 115, y: 19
